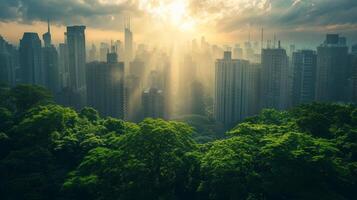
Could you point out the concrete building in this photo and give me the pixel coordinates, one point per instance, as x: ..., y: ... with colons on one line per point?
x: 76, y: 47
x: 153, y: 103
x: 105, y: 88
x: 133, y: 97
x: 232, y: 90
x: 304, y: 78
x: 31, y: 68
x: 128, y: 36
x: 274, y: 78
x: 332, y: 70
x: 63, y: 65
x: 353, y: 64
x: 8, y: 63
x: 50, y: 64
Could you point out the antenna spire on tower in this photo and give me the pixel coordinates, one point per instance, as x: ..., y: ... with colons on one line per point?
x: 48, y: 25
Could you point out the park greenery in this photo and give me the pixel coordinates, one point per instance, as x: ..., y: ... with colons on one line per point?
x: 48, y: 151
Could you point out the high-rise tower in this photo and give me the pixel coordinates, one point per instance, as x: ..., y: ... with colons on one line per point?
x: 274, y: 78
x: 47, y: 36
x: 304, y: 67
x: 128, y: 41
x: 31, y: 68
x: 76, y: 46
x: 50, y: 63
x: 332, y: 72
x: 233, y: 90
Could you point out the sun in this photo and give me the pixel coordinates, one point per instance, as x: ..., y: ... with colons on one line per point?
x: 173, y: 12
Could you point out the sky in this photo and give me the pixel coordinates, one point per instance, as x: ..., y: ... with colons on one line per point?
x: 303, y: 22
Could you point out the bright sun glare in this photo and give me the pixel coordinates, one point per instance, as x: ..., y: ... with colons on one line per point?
x: 173, y: 12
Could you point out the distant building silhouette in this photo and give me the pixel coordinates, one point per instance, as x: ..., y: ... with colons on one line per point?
x: 92, y: 54
x: 31, y: 68
x: 353, y: 66
x: 233, y: 89
x: 50, y: 64
x: 332, y: 70
x: 153, y: 103
x: 128, y: 42
x: 105, y: 87
x: 237, y: 52
x: 47, y: 39
x: 76, y: 63
x: 304, y: 64
x: 63, y: 65
x: 8, y: 63
x: 104, y: 49
x: 274, y: 78
x: 133, y: 97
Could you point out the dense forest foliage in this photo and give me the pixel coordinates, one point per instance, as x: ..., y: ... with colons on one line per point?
x: 49, y: 151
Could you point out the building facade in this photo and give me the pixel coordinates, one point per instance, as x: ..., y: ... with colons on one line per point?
x: 105, y: 88
x: 8, y: 63
x: 231, y: 90
x: 76, y: 47
x: 332, y: 70
x: 274, y: 78
x: 31, y: 69
x: 304, y: 78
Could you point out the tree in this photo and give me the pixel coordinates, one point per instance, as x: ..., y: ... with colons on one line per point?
x: 145, y: 166
x: 24, y: 97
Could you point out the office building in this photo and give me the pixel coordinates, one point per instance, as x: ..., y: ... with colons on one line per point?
x: 31, y: 69
x: 76, y: 48
x: 304, y: 78
x: 231, y: 90
x: 274, y: 74
x: 153, y: 103
x: 332, y: 70
x: 105, y: 87
x: 50, y: 64
x: 353, y: 64
x: 128, y: 42
x: 8, y: 63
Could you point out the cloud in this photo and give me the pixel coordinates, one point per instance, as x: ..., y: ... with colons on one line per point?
x: 98, y: 13
x: 287, y: 14
x: 222, y: 15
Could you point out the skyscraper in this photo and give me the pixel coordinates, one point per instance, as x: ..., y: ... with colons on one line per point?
x: 274, y: 78
x: 133, y: 98
x: 153, y: 103
x: 104, y: 49
x: 105, y: 87
x: 187, y: 75
x: 138, y: 68
x: 47, y: 39
x: 63, y: 66
x: 76, y: 63
x: 134, y: 83
x: 50, y: 64
x: 252, y: 80
x: 231, y: 90
x: 332, y: 70
x: 128, y: 42
x: 31, y: 68
x: 353, y: 64
x: 237, y: 52
x: 92, y: 54
x: 8, y: 63
x: 304, y: 64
